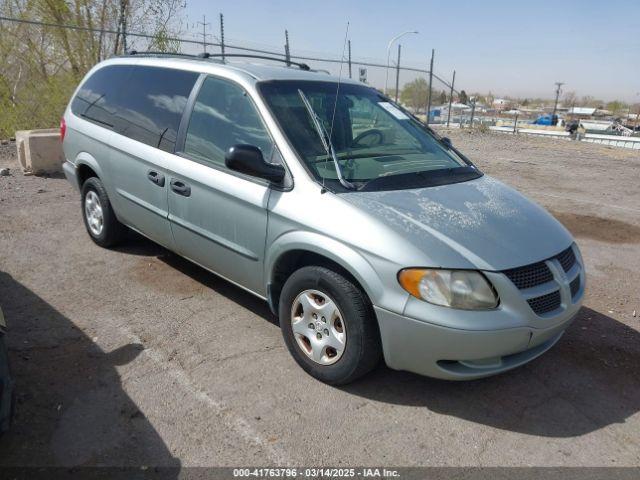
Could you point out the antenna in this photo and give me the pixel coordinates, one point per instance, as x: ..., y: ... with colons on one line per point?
x: 335, y: 104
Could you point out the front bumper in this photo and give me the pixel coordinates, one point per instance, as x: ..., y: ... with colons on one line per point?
x: 458, y: 344
x: 455, y: 354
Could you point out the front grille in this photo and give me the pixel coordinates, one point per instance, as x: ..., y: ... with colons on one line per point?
x: 575, y: 286
x: 545, y: 303
x: 530, y: 275
x: 567, y: 259
x: 538, y: 273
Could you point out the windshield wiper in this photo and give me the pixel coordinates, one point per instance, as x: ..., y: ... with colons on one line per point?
x: 326, y: 140
x: 355, y: 155
x: 425, y: 178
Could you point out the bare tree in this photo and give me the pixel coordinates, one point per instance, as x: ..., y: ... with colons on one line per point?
x: 43, y: 64
x: 569, y: 99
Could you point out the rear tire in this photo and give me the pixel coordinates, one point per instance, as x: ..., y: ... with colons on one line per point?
x: 305, y: 297
x: 99, y: 219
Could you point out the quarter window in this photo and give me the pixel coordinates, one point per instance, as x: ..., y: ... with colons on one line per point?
x: 151, y: 104
x: 142, y: 103
x: 95, y: 101
x: 223, y: 115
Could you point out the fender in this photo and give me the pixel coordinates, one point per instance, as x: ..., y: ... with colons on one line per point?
x: 345, y: 256
x: 85, y: 158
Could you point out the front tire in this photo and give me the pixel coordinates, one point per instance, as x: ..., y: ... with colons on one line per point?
x: 99, y: 219
x: 328, y: 325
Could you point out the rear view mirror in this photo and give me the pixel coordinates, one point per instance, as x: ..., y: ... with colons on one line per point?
x: 447, y: 141
x: 249, y: 160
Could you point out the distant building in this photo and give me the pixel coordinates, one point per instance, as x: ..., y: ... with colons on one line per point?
x: 501, y: 103
x: 582, y: 111
x: 588, y: 112
x: 531, y: 110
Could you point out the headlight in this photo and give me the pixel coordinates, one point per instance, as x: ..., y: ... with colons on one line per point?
x: 465, y: 289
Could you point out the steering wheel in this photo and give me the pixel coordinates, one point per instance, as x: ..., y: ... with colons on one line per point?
x: 374, y: 132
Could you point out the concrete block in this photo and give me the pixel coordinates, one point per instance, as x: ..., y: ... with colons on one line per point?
x: 39, y: 151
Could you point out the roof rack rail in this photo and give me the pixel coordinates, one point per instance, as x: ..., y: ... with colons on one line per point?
x: 216, y: 56
x: 165, y: 54
x: 301, y: 66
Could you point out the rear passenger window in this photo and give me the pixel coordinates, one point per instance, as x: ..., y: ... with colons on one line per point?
x: 151, y: 103
x: 223, y: 115
x: 95, y: 101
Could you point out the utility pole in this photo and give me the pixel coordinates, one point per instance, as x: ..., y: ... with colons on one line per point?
x: 349, y: 45
x: 398, y: 73
x: 222, y: 36
x: 451, y: 97
x: 204, y: 32
x: 433, y: 52
x: 287, y: 52
x: 558, y: 90
x: 473, y: 112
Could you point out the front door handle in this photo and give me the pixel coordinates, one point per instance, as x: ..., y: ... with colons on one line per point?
x: 156, y: 178
x: 180, y: 188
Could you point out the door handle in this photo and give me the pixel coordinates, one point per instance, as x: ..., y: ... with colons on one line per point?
x: 156, y: 178
x: 180, y: 188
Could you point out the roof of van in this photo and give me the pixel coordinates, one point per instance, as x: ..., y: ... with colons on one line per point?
x: 258, y: 71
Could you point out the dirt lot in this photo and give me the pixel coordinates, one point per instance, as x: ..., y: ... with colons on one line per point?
x: 134, y: 356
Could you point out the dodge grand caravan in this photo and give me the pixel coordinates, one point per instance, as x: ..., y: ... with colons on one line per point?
x: 369, y: 235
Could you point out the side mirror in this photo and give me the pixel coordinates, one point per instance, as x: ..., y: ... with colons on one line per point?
x: 447, y: 141
x: 249, y: 160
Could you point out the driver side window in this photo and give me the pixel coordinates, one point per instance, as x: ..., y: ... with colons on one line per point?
x: 223, y: 115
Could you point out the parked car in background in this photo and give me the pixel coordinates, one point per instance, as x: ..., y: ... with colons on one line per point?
x: 368, y: 234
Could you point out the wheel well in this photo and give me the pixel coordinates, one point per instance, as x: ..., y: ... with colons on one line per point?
x: 293, y: 260
x: 85, y: 172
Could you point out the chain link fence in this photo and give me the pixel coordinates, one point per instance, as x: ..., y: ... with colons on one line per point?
x: 45, y: 61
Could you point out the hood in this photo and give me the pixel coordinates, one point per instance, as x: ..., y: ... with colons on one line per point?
x: 482, y: 222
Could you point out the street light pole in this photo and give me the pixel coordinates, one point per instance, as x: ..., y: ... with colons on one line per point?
x: 386, y: 79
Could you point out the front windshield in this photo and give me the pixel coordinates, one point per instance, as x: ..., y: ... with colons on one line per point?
x: 377, y: 145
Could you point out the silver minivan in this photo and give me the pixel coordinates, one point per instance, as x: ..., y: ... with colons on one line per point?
x: 369, y: 235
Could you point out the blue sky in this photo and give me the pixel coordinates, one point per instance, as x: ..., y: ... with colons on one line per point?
x: 512, y: 47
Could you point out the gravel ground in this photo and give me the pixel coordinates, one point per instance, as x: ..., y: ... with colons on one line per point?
x: 134, y: 356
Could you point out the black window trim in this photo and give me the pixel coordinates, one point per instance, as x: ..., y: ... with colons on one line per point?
x: 132, y: 66
x: 186, y: 114
x: 184, y: 124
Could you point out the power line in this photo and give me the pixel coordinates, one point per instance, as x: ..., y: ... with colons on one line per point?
x: 214, y: 44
